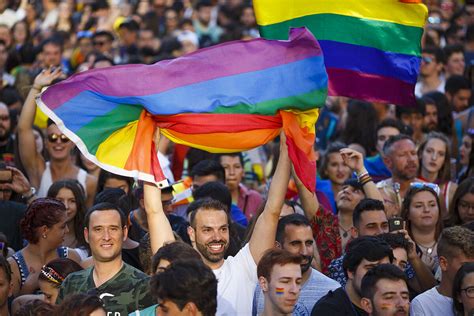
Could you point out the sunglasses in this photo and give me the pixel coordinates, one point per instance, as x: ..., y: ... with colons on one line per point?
x: 427, y: 60
x: 420, y: 185
x: 53, y: 138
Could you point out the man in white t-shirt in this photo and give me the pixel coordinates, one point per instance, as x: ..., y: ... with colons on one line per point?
x: 209, y: 234
x: 295, y: 235
x: 455, y: 247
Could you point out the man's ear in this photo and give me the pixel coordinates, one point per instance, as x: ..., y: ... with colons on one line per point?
x: 125, y: 232
x: 190, y: 308
x: 278, y: 245
x: 443, y: 263
x: 366, y: 305
x: 192, y: 234
x: 263, y: 284
x: 86, y: 234
x: 387, y: 161
x: 354, y: 232
x: 350, y: 275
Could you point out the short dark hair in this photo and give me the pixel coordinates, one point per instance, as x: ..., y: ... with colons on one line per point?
x: 171, y: 252
x: 456, y: 83
x: 273, y: 257
x: 436, y: 52
x: 208, y: 167
x: 382, y: 271
x: 52, y: 41
x: 185, y: 282
x: 107, y: 34
x: 355, y: 184
x: 237, y: 154
x: 292, y: 219
x: 105, y: 206
x: 390, y: 122
x: 394, y: 139
x: 455, y: 240
x: 205, y: 204
x: 396, y: 240
x: 363, y: 206
x: 466, y: 268
x: 215, y: 190
x: 80, y: 304
x: 452, y: 49
x: 370, y: 248
x: 419, y: 107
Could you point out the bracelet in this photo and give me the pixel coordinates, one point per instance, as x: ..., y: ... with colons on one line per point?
x: 364, y: 179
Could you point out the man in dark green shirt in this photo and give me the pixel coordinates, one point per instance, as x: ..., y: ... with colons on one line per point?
x: 122, y: 288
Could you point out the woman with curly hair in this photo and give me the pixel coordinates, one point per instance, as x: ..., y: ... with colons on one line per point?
x: 72, y: 194
x: 44, y: 227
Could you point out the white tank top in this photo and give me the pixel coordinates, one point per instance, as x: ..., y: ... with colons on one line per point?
x: 47, y: 180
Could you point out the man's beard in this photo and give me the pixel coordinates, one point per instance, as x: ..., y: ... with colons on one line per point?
x: 4, y: 134
x: 209, y: 256
x: 305, y: 266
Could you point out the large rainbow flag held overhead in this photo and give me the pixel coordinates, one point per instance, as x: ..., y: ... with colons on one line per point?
x: 371, y: 48
x: 227, y: 98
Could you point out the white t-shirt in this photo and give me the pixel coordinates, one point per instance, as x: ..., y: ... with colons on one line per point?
x: 314, y: 288
x: 236, y: 281
x: 433, y: 303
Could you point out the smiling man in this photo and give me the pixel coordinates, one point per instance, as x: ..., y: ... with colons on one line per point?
x: 120, y: 286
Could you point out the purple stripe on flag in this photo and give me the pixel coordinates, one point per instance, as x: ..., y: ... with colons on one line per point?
x: 206, y: 64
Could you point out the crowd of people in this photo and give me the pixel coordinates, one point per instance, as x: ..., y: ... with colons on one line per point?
x: 388, y: 230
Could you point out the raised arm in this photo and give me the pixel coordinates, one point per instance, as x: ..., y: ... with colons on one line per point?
x: 263, y: 237
x: 31, y: 159
x: 158, y: 225
x: 354, y: 160
x: 309, y: 200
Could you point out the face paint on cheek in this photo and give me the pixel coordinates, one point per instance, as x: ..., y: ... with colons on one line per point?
x: 385, y: 306
x: 279, y: 291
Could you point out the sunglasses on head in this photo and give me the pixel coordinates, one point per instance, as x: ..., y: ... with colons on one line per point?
x: 53, y: 138
x: 419, y: 185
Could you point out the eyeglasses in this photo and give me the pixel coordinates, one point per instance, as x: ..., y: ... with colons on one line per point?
x: 469, y: 291
x: 421, y: 185
x: 54, y: 137
x: 466, y: 205
x: 427, y: 60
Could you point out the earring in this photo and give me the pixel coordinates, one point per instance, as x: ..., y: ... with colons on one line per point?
x: 44, y: 236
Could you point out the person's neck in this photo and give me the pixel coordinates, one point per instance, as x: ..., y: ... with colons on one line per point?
x: 104, y: 271
x: 234, y: 193
x: 305, y: 276
x: 345, y: 219
x: 445, y: 288
x: 429, y: 176
x: 431, y: 82
x: 351, y: 292
x: 40, y: 251
x: 423, y: 236
x: 404, y: 184
x: 61, y: 168
x: 271, y: 310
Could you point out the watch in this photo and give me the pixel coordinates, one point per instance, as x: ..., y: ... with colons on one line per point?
x: 29, y: 194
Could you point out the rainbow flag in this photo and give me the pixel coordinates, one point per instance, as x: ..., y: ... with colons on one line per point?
x: 227, y: 98
x: 372, y: 48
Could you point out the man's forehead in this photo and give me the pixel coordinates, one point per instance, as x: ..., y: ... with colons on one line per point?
x: 298, y: 232
x: 373, y: 216
x: 210, y: 217
x: 102, y: 217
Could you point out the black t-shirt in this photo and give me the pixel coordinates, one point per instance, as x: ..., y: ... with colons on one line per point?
x: 336, y: 303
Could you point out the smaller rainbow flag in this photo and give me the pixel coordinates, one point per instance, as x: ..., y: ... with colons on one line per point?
x: 279, y: 291
x: 372, y: 49
x: 227, y: 98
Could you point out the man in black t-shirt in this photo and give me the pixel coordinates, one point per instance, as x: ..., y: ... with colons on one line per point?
x: 363, y: 254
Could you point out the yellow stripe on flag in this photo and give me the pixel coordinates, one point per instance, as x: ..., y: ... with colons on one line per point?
x: 116, y: 149
x: 393, y: 11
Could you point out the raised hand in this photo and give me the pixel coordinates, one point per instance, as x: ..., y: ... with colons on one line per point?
x: 46, y: 77
x: 353, y: 159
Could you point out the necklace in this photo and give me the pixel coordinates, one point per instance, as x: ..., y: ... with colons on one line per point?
x: 345, y: 231
x: 429, y: 249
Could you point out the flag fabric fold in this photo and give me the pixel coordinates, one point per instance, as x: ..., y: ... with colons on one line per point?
x: 372, y: 49
x: 227, y: 98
